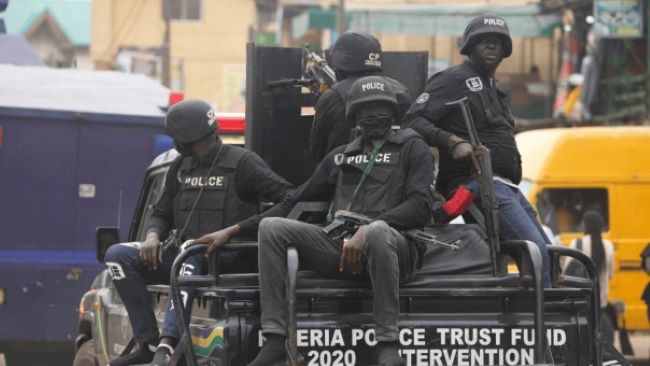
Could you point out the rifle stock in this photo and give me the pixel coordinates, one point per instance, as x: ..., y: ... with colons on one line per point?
x: 489, y: 205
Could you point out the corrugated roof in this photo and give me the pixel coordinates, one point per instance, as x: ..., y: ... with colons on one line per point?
x: 74, y: 17
x: 79, y: 91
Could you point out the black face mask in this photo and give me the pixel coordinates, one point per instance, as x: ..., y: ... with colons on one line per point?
x: 183, y: 149
x: 374, y: 121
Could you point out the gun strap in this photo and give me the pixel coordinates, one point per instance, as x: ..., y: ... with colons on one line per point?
x: 377, y: 145
x: 198, y: 197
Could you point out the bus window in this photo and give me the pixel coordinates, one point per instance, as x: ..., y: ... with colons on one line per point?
x: 562, y: 208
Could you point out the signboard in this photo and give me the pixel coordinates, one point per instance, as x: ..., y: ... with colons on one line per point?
x: 618, y: 18
x: 430, y: 346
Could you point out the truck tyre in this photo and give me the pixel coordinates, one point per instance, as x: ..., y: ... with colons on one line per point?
x: 86, y: 355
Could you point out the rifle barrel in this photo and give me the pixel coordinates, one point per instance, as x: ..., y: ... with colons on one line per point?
x: 469, y: 120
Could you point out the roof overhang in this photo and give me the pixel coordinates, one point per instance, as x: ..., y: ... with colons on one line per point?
x: 524, y: 20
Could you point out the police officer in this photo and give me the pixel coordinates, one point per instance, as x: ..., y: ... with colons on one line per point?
x: 210, y: 186
x: 353, y: 56
x: 486, y: 41
x: 382, y: 174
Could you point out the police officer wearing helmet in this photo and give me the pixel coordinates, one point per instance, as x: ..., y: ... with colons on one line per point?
x: 211, y: 192
x: 353, y: 56
x: 486, y: 42
x: 383, y: 174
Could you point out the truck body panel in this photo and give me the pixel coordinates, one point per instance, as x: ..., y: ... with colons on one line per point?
x: 69, y: 164
x: 607, y: 168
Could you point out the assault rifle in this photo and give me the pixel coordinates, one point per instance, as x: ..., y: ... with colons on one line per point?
x: 315, y: 68
x: 488, y: 201
x: 316, y: 74
x: 345, y: 224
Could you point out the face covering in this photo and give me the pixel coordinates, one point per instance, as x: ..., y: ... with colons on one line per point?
x: 374, y: 121
x: 183, y: 149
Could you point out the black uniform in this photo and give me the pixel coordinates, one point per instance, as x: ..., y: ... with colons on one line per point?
x: 390, y: 194
x: 396, y: 194
x: 331, y: 128
x: 436, y: 122
x: 231, y: 193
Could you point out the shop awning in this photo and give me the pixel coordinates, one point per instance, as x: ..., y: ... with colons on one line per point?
x: 436, y: 19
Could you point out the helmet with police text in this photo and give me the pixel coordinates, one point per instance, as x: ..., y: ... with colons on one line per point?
x: 356, y: 52
x: 482, y: 25
x: 189, y: 121
x: 370, y: 89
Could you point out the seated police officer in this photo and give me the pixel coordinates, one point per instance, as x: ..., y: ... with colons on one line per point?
x: 383, y: 174
x: 210, y: 186
x: 487, y: 42
x: 353, y: 56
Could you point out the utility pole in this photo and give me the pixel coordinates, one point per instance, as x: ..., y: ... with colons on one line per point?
x: 165, y: 53
x: 340, y: 18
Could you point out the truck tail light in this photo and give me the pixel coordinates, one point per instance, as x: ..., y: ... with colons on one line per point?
x: 231, y: 123
x: 175, y: 97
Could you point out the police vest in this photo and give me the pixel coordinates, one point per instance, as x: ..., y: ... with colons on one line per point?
x: 219, y: 205
x: 402, y: 93
x: 494, y: 124
x: 383, y: 188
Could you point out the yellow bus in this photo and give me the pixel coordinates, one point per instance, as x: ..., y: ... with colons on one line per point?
x: 567, y: 171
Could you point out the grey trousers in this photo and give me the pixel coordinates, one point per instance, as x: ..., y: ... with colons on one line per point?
x: 389, y: 260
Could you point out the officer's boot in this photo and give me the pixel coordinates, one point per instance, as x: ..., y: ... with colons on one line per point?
x: 272, y: 353
x: 388, y: 355
x: 143, y: 355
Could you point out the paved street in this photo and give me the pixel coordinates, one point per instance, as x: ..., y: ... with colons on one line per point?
x: 641, y: 345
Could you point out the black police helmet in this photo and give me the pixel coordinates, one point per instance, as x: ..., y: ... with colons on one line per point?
x: 370, y: 89
x: 189, y: 121
x: 356, y: 52
x: 483, y: 25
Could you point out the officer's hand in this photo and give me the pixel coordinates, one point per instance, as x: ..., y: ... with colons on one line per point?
x: 217, y: 239
x: 151, y: 252
x: 461, y: 149
x: 353, y: 248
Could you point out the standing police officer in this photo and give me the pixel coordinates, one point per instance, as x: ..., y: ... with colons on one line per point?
x: 487, y: 42
x: 353, y: 56
x: 384, y: 175
x: 210, y: 186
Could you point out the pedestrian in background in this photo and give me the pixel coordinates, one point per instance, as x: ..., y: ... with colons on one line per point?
x: 601, y: 251
x: 645, y: 265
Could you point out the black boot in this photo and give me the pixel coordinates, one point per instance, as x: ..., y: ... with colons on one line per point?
x: 144, y: 354
x: 162, y: 355
x: 387, y: 354
x: 272, y: 352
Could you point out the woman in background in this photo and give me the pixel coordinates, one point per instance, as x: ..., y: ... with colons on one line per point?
x: 601, y: 251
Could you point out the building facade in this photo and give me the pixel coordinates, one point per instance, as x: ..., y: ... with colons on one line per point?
x: 207, y: 44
